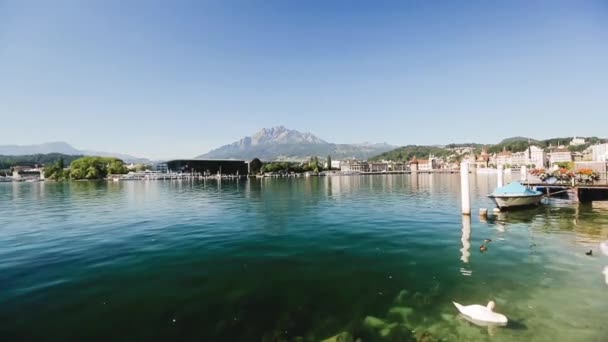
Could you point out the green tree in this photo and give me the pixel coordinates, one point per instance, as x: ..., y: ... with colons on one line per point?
x: 255, y: 166
x: 329, y: 162
x: 313, y: 165
x: 55, y: 171
x: 96, y: 167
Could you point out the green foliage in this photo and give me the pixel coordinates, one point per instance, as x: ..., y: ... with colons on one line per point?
x: 255, y: 166
x: 513, y: 146
x: 329, y: 162
x: 313, y: 164
x: 406, y: 153
x: 566, y: 165
x: 288, y: 167
x: 281, y: 166
x: 141, y: 167
x: 96, y: 167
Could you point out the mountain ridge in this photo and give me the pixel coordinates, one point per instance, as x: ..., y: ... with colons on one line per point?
x: 280, y: 143
x: 63, y: 148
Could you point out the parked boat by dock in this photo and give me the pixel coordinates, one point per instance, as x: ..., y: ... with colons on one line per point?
x: 515, y: 195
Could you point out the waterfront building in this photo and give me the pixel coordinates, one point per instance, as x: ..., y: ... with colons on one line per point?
x: 161, y: 167
x: 581, y: 156
x: 504, y: 157
x: 577, y: 141
x: 519, y: 158
x: 483, y: 161
x: 208, y: 167
x: 396, y: 166
x: 426, y: 164
x: 559, y: 155
x: 378, y: 167
x: 599, y: 152
x: 335, y: 164
x: 538, y: 156
x: 27, y: 173
x: 354, y: 166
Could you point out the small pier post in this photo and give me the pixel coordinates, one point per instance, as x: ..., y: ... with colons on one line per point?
x: 500, y: 176
x: 524, y: 173
x: 465, y: 189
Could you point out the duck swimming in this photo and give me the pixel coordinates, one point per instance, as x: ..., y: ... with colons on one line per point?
x: 480, y: 314
x: 487, y: 240
x: 590, y: 252
x: 483, y: 248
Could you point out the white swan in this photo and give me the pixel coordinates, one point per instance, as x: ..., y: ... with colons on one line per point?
x: 480, y: 314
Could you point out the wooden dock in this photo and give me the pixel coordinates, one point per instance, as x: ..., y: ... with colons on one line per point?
x: 579, y: 193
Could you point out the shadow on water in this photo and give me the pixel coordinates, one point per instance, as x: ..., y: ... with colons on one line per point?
x: 516, y: 325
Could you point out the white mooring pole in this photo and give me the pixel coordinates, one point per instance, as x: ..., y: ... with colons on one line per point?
x: 524, y: 173
x: 465, y: 190
x: 500, y: 176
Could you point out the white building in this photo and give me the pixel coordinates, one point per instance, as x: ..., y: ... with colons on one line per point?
x: 519, y: 158
x: 577, y: 141
x: 504, y: 157
x: 560, y: 155
x: 537, y: 156
x: 378, y: 167
x: 427, y: 164
x: 599, y: 152
x: 354, y: 166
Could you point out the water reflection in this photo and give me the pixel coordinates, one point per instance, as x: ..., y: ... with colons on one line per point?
x: 465, y: 239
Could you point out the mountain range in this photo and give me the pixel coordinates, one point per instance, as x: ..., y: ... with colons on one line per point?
x: 280, y: 143
x: 64, y: 148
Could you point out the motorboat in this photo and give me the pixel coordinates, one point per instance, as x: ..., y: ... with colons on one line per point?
x: 515, y: 195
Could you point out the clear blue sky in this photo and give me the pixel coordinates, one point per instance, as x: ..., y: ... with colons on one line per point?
x: 177, y: 78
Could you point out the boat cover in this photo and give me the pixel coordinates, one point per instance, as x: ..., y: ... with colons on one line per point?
x: 515, y: 189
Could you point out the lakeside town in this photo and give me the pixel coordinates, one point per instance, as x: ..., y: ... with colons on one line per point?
x: 534, y: 157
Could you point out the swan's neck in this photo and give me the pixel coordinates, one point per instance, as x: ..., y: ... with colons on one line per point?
x: 490, y: 306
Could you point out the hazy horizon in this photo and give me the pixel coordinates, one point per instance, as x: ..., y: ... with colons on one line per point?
x: 163, y: 80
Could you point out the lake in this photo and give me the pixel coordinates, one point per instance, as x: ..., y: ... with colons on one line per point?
x: 368, y: 258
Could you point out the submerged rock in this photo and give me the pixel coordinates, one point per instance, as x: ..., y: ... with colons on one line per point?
x: 401, y: 297
x: 374, y: 323
x: 399, y: 332
x: 425, y: 336
x: 400, y: 313
x: 341, y: 337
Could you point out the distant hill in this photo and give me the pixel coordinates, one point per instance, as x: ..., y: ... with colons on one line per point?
x: 63, y: 148
x: 517, y: 139
x: 280, y: 143
x: 7, y: 162
x: 51, y: 147
x: 408, y: 152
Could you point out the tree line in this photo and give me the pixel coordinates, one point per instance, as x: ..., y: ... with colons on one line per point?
x: 85, y: 168
x: 312, y: 165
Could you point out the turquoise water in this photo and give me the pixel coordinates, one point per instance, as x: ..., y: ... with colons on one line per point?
x: 373, y: 258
